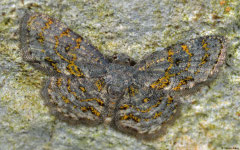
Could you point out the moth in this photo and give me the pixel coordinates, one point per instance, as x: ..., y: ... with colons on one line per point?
x: 84, y: 86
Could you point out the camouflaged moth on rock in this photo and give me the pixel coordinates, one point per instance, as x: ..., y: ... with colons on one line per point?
x: 86, y: 87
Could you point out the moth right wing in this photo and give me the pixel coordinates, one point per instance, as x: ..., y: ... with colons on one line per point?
x: 76, y: 99
x: 151, y: 99
x: 144, y: 112
x: 51, y: 46
x: 182, y: 65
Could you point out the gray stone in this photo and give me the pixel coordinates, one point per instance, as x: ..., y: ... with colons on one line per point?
x: 209, y: 119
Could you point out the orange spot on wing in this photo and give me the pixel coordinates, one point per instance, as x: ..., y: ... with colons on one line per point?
x: 161, y: 83
x: 47, y: 24
x: 183, y: 82
x: 74, y: 70
x: 78, y: 41
x: 82, y: 89
x: 185, y: 48
x: 65, y: 100
x: 65, y: 33
x: 145, y: 100
x: 59, y: 82
x: 99, y: 84
x: 157, y: 115
x: 204, y: 45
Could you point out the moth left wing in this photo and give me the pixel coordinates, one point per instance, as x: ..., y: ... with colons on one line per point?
x: 51, y: 46
x: 76, y: 99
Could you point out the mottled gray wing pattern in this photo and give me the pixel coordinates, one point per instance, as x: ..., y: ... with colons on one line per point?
x: 183, y: 65
x: 143, y: 112
x: 151, y: 99
x: 77, y: 99
x: 51, y: 46
x: 87, y: 88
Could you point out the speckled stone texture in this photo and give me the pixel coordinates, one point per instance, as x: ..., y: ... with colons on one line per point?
x: 210, y: 119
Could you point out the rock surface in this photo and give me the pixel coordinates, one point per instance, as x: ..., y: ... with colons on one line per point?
x: 210, y: 119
